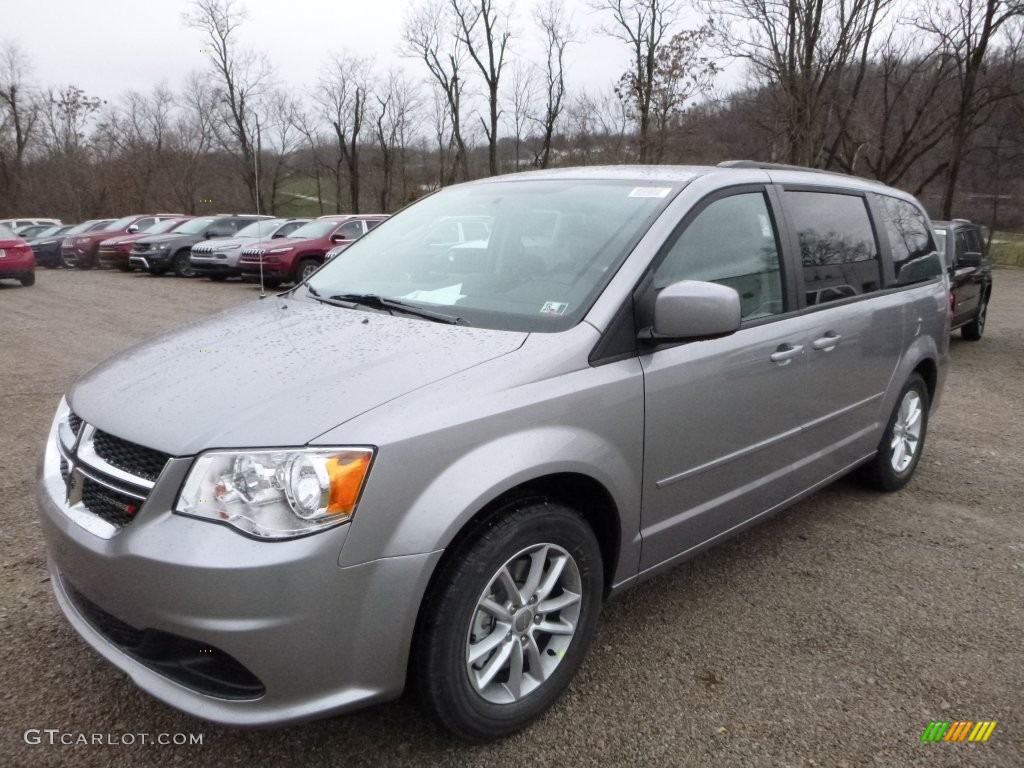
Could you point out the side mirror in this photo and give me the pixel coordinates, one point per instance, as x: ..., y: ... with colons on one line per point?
x: 691, y: 309
x: 133, y: 229
x: 338, y: 237
x: 970, y: 259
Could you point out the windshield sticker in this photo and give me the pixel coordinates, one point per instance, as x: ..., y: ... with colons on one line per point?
x: 555, y: 308
x: 446, y: 296
x: 650, y: 191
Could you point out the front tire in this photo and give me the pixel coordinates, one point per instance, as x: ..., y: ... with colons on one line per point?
x: 305, y: 268
x: 508, y: 619
x: 974, y: 329
x: 903, y: 441
x: 183, y: 264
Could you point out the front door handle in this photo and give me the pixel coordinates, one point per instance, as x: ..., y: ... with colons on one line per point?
x: 827, y: 342
x: 785, y: 353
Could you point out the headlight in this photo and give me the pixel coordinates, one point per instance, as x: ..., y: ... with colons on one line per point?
x: 276, y: 494
x: 282, y: 250
x: 160, y: 247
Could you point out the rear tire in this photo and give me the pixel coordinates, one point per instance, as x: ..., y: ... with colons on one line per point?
x: 28, y: 279
x: 974, y: 329
x: 903, y: 440
x: 508, y: 619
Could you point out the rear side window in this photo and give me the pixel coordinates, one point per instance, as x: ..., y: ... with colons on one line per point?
x: 914, y: 258
x: 731, y: 242
x: 838, y: 250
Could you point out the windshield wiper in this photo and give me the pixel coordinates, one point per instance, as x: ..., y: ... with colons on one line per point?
x: 382, y: 302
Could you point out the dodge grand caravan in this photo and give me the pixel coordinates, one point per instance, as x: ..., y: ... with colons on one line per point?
x: 436, y: 466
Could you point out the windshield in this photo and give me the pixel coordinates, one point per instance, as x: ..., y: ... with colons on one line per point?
x: 6, y: 233
x: 163, y: 226
x: 940, y: 240
x: 259, y: 229
x: 96, y: 225
x: 316, y: 229
x: 196, y: 226
x: 514, y: 255
x: 48, y: 232
x: 121, y: 223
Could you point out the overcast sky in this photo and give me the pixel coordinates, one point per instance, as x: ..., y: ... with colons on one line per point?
x: 109, y: 46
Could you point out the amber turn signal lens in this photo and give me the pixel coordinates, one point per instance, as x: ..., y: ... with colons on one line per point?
x: 346, y: 471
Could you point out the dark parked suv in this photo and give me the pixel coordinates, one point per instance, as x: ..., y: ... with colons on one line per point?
x: 160, y: 253
x: 970, y: 274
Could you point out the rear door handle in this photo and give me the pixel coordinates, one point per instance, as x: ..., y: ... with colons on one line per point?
x: 827, y: 342
x: 785, y: 353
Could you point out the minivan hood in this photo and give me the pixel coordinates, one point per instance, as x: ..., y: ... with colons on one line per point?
x: 274, y: 373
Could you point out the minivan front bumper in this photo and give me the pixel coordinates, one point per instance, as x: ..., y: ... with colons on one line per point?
x: 226, y: 627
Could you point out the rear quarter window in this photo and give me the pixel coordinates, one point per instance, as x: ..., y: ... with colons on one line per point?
x: 914, y: 256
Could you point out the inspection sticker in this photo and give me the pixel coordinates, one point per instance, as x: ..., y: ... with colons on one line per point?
x: 650, y: 191
x: 554, y: 308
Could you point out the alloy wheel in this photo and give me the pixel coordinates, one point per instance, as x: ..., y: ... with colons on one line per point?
x: 906, y: 432
x: 525, y: 620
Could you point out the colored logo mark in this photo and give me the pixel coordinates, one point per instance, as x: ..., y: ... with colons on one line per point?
x: 959, y: 730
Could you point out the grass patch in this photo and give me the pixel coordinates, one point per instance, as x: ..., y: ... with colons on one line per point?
x: 1008, y: 249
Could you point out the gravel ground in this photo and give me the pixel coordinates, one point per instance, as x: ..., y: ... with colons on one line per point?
x: 828, y: 636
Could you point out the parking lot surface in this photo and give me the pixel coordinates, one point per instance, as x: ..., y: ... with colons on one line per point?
x: 829, y: 636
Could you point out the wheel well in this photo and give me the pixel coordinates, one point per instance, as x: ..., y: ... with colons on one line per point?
x: 581, y: 492
x: 930, y: 373
x: 584, y: 494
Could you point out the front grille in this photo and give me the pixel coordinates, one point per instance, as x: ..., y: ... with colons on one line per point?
x: 75, y: 422
x: 115, y: 507
x: 195, y: 665
x: 130, y: 457
x: 65, y: 469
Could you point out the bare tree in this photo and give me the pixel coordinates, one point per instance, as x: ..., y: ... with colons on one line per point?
x: 191, y: 140
x: 902, y: 116
x: 967, y: 32
x: 521, y: 106
x: 342, y: 95
x: 279, y: 125
x: 243, y: 78
x: 137, y: 131
x: 558, y: 32
x: 682, y: 70
x: 484, y: 30
x: 19, y: 111
x: 800, y: 49
x: 643, y: 26
x: 396, y: 103
x: 426, y: 37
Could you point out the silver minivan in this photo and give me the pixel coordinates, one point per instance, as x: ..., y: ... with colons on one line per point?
x: 434, y: 465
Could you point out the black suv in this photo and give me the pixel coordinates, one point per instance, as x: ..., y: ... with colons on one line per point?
x: 160, y: 253
x: 970, y: 274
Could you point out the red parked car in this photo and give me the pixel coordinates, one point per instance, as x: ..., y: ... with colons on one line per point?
x: 16, y: 258
x: 82, y: 251
x: 114, y: 252
x: 293, y: 259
